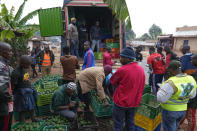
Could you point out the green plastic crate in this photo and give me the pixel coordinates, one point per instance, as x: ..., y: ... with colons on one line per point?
x: 47, y: 128
x: 101, y: 110
x: 43, y: 110
x: 147, y: 89
x: 100, y: 55
x: 149, y: 106
x: 16, y: 116
x: 39, y: 128
x: 113, y: 45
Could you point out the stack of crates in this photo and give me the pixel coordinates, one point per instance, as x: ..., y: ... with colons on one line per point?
x: 115, y: 53
x: 148, y: 115
x: 44, y: 98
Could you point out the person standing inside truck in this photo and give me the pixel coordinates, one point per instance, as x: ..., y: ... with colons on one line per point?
x: 95, y: 36
x: 83, y: 37
x: 73, y: 37
x: 174, y: 95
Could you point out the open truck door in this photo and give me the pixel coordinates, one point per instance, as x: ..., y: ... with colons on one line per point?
x: 51, y: 23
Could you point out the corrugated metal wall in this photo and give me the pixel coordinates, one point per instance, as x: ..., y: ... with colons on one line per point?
x: 51, y: 22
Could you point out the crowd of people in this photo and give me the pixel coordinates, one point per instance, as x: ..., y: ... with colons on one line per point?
x: 173, y: 82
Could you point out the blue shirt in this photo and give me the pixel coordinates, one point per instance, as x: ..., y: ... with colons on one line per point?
x: 88, y: 59
x: 186, y: 63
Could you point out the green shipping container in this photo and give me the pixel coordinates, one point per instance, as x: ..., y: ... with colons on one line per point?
x: 51, y: 22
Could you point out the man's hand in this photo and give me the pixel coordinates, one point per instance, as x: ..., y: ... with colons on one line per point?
x: 106, y: 102
x: 72, y: 104
x: 72, y: 41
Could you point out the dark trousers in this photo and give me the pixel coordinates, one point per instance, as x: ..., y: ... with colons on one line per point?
x: 120, y: 114
x: 81, y: 47
x: 172, y: 119
x: 34, y: 70
x: 23, y: 114
x: 6, y: 122
x: 84, y: 97
x: 157, y: 79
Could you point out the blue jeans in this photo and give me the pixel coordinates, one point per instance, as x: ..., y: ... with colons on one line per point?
x: 74, y: 48
x: 120, y: 114
x: 95, y: 42
x: 157, y: 79
x: 172, y: 119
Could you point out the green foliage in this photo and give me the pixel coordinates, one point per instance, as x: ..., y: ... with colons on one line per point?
x: 119, y: 8
x: 155, y: 31
x: 15, y: 31
x: 130, y: 35
x: 145, y: 36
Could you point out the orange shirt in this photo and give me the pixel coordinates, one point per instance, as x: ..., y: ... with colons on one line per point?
x: 47, y: 60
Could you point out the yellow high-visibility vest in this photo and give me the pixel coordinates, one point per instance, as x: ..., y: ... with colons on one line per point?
x: 186, y: 86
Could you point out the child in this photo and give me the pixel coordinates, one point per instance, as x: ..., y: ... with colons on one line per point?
x: 24, y: 96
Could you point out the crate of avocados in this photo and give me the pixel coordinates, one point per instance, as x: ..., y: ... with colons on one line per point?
x: 100, y: 110
x: 55, y: 128
x: 149, y: 106
x: 87, y: 122
x: 56, y: 120
x: 147, y: 89
x: 43, y: 110
x: 33, y: 126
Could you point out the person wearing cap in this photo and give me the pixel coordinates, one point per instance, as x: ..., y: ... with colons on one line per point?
x: 65, y: 101
x: 107, y: 57
x: 46, y: 60
x: 129, y: 82
x: 174, y: 95
x: 73, y: 37
x: 156, y: 65
x: 92, y: 79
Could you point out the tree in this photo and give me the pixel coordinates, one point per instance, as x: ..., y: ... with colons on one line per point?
x: 155, y: 31
x: 15, y: 31
x: 119, y: 8
x: 145, y: 36
x: 130, y: 35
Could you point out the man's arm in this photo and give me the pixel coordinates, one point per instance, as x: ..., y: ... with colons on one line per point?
x: 165, y: 92
x: 77, y: 64
x: 183, y: 63
x: 4, y: 84
x: 99, y: 86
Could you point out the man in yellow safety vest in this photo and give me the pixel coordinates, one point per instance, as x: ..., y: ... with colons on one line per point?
x: 174, y: 95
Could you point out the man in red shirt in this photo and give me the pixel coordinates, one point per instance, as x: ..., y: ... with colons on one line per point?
x: 107, y: 58
x: 170, y: 55
x: 129, y: 81
x: 156, y: 64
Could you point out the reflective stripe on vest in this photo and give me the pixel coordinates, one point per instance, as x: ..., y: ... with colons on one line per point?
x: 186, y: 86
x: 46, y: 60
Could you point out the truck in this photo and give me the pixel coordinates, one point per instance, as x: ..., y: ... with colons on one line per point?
x: 55, y: 21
